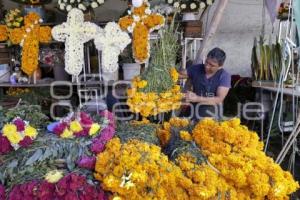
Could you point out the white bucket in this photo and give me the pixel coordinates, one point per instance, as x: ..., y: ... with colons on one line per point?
x: 110, y: 76
x: 131, y: 70
x: 4, y: 73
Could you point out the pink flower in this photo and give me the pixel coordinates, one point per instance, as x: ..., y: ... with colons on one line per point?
x: 27, y: 141
x: 85, y: 120
x: 107, y: 133
x: 20, y: 124
x: 97, y: 146
x: 2, y: 192
x: 59, y: 128
x: 87, y: 162
x: 5, y: 146
x: 82, y: 133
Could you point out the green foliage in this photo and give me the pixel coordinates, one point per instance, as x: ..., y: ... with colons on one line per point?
x: 266, y: 60
x: 163, y: 58
x: 46, y: 153
x: 146, y: 133
x: 31, y: 113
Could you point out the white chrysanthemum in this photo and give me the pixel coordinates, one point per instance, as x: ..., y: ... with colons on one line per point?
x: 66, y: 1
x: 100, y: 1
x: 75, y: 32
x: 62, y: 6
x: 59, y: 2
x: 72, y: 1
x: 112, y: 43
x: 170, y: 1
x: 209, y: 2
x: 202, y: 5
x: 193, y: 6
x: 94, y: 5
x: 78, y: 1
x: 176, y: 5
x: 148, y: 11
x: 183, y: 6
x: 68, y: 8
x: 81, y: 7
x: 136, y: 18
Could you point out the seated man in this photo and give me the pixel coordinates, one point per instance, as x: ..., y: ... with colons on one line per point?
x: 210, y: 85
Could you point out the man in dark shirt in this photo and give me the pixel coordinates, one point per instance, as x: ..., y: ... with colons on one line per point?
x: 210, y: 85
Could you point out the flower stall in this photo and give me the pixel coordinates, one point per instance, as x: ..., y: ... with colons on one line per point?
x: 82, y: 137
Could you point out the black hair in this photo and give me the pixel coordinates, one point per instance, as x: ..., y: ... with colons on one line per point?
x: 217, y: 54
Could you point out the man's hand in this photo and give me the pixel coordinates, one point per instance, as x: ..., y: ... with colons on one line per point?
x: 191, y: 97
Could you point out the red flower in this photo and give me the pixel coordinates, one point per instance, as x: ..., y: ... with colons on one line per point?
x: 2, y: 192
x: 82, y: 133
x: 5, y: 146
x: 59, y: 128
x: 85, y: 120
x: 46, y: 191
x: 27, y: 141
x: 20, y: 124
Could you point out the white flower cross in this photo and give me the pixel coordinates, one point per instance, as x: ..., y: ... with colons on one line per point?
x: 112, y: 43
x: 75, y: 32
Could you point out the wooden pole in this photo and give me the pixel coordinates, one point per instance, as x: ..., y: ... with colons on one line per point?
x: 218, y: 14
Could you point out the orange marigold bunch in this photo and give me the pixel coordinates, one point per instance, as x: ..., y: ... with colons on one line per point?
x: 3, y: 33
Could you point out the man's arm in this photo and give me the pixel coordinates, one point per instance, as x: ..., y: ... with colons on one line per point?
x: 221, y: 94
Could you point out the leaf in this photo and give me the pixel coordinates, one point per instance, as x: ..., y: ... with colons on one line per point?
x: 34, y: 157
x: 13, y: 164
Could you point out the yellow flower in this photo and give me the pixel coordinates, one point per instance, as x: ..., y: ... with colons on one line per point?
x: 142, y: 84
x: 31, y: 132
x: 185, y: 136
x: 75, y: 126
x: 14, y: 138
x: 53, y: 176
x: 94, y: 129
x: 9, y: 129
x: 67, y: 134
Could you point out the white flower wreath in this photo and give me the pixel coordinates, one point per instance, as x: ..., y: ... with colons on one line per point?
x: 190, y: 5
x: 75, y: 32
x: 80, y: 4
x: 112, y: 43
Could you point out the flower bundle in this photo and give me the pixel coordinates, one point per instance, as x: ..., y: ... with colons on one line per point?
x: 32, y: 2
x: 80, y: 4
x: 70, y: 187
x: 3, y: 33
x: 77, y: 125
x: 14, y: 19
x: 15, y: 135
x: 28, y: 37
x: 237, y: 154
x: 141, y: 22
x: 190, y: 5
x: 152, y: 103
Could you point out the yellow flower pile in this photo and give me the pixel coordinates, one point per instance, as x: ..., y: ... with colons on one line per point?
x: 3, y: 33
x: 237, y: 153
x: 29, y: 37
x: 164, y: 133
x: 138, y: 170
x: 152, y: 103
x: 141, y: 22
x: 17, y: 91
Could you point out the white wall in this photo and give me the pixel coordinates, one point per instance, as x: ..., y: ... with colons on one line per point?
x: 241, y: 22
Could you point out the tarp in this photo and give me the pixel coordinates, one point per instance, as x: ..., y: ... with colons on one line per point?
x: 296, y: 8
x: 272, y: 10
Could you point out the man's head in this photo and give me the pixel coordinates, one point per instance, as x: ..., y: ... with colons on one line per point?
x: 214, y: 60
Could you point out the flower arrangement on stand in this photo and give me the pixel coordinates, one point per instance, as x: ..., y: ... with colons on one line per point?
x: 28, y: 37
x: 190, y: 5
x: 111, y: 42
x: 83, y: 5
x: 140, y: 21
x: 15, y: 135
x: 156, y: 90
